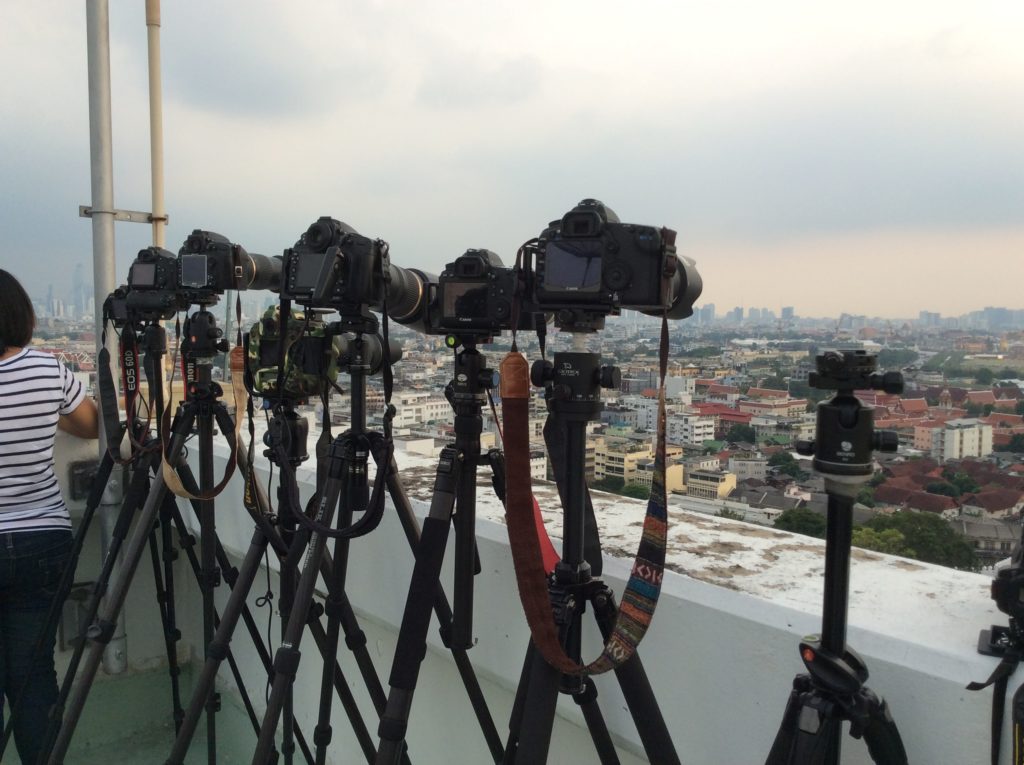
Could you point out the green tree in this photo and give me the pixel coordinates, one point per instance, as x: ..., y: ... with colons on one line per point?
x: 975, y: 410
x: 1019, y: 409
x: 775, y: 382
x: 779, y: 459
x: 961, y: 481
x: 800, y: 520
x: 1017, y: 443
x: 866, y: 496
x: 877, y: 479
x: 744, y: 433
x: 732, y: 514
x: 930, y: 538
x: 610, y: 483
x: 944, y: 488
x: 636, y: 491
x: 890, y: 541
x: 893, y: 358
x: 985, y: 376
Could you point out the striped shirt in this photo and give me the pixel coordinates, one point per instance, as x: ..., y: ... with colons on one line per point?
x: 35, y: 389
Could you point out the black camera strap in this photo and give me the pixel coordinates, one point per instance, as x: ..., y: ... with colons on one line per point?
x: 999, y: 679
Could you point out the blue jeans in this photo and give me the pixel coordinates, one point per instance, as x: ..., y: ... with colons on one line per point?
x: 31, y: 566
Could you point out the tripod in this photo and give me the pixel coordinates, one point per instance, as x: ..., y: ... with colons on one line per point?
x: 833, y: 689
x: 202, y: 408
x: 347, y: 461
x: 454, y: 499
x: 573, y: 387
x: 241, y: 580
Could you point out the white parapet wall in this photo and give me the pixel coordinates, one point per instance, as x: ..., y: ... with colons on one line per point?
x: 721, y: 653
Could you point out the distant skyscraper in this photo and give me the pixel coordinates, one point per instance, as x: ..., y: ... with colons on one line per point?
x: 754, y: 315
x: 787, y: 313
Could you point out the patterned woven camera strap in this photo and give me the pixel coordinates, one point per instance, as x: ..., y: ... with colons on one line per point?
x: 641, y: 595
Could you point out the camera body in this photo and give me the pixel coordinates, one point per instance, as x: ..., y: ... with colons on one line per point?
x: 474, y: 296
x: 333, y: 266
x: 591, y: 262
x: 152, y: 293
x: 207, y: 264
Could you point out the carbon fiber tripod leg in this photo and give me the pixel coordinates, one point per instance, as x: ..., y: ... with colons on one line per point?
x: 100, y: 633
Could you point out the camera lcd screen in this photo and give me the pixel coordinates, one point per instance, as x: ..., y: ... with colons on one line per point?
x: 193, y: 270
x: 307, y: 272
x: 573, y: 266
x: 465, y: 300
x: 143, y: 275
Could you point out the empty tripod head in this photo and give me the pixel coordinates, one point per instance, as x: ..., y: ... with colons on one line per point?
x: 845, y: 436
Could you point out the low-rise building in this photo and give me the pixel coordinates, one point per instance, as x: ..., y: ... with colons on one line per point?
x: 710, y: 484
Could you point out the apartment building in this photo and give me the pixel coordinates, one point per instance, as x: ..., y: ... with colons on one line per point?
x: 689, y: 428
x: 965, y: 437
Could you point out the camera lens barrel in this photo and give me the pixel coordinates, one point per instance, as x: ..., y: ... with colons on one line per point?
x: 686, y: 288
x: 261, y: 272
x: 409, y: 295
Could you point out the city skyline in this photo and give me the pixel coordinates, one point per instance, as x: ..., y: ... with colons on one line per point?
x: 806, y: 156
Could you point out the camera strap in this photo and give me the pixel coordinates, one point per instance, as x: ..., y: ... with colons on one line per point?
x: 644, y: 587
x: 999, y: 679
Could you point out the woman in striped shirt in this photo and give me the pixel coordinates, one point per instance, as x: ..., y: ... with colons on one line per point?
x: 38, y: 394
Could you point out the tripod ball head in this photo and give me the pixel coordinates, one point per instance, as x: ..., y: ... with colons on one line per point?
x: 845, y: 436
x: 850, y: 370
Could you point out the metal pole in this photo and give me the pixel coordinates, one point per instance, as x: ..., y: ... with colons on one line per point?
x: 97, y: 21
x: 156, y: 121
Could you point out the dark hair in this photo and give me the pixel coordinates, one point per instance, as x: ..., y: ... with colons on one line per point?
x: 17, y: 319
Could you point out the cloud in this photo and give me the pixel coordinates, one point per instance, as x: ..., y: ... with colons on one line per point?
x: 473, y: 80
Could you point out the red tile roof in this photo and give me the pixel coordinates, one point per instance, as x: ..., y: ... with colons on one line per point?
x: 909, y: 405
x: 994, y: 501
x: 930, y: 503
x: 767, y: 393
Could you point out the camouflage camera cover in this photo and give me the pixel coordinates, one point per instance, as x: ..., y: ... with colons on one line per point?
x: 311, y: 353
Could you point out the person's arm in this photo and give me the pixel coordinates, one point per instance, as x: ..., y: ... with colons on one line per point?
x: 83, y: 421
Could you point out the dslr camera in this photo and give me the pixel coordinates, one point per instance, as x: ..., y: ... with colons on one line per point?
x: 590, y: 265
x: 474, y: 296
x: 334, y: 266
x: 208, y: 265
x: 152, y: 292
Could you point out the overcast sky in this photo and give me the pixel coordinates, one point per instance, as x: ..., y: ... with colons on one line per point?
x: 866, y: 158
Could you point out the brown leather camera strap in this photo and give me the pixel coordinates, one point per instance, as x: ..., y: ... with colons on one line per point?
x: 644, y: 587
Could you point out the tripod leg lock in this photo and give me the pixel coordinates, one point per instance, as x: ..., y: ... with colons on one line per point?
x: 392, y: 729
x: 101, y: 631
x: 286, y: 661
x: 218, y: 650
x: 333, y: 609
x: 355, y: 640
x: 322, y: 735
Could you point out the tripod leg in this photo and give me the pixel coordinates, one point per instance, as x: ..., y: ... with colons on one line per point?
x: 218, y: 649
x: 286, y: 660
x: 586, y: 700
x: 100, y: 633
x: 412, y: 635
x: 529, y: 743
x: 163, y: 582
x: 636, y: 689
x: 444, y: 617
x: 352, y: 501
